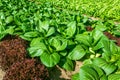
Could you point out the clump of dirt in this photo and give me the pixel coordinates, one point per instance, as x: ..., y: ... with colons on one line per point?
x: 2, y: 73
x: 110, y: 36
x: 89, y: 28
x: 12, y: 49
x: 29, y: 69
x: 59, y: 73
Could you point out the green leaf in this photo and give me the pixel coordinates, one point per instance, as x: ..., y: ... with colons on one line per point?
x: 107, y: 67
x: 68, y: 65
x: 50, y: 32
x: 107, y: 52
x: 10, y: 30
x: 100, y: 26
x: 35, y: 41
x: 85, y: 39
x: 62, y: 46
x: 75, y: 77
x: 77, y: 53
x: 113, y: 48
x: 96, y: 34
x: 59, y: 43
x: 71, y: 29
x: 99, y: 44
x: 44, y: 25
x: 31, y: 34
x: 25, y: 38
x: 35, y: 51
x: 91, y: 72
x: 37, y: 47
x: 104, y: 77
x: 63, y: 53
x: 114, y: 77
x: 98, y: 70
x: 50, y: 60
x: 9, y: 19
x: 117, y: 33
x: 88, y: 73
x: 87, y: 61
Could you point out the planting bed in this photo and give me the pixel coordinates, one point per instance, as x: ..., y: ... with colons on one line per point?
x: 44, y: 40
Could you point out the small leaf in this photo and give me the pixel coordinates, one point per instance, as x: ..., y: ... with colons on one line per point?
x: 25, y: 38
x: 9, y: 19
x: 45, y: 25
x: 35, y: 51
x: 10, y: 30
x: 77, y: 53
x: 36, y: 41
x: 50, y: 60
x: 31, y: 34
x: 63, y: 53
x: 50, y: 32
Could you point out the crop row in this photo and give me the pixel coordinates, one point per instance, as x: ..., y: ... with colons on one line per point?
x: 103, y: 9
x: 58, y: 36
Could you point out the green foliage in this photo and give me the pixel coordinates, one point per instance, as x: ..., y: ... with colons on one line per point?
x: 57, y: 35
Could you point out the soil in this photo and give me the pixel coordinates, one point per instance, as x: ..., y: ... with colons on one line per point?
x: 60, y: 74
x: 2, y: 73
x: 110, y: 36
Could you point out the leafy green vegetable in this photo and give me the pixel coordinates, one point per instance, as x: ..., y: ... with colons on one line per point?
x: 71, y: 29
x: 114, y: 77
x: 107, y: 67
x: 77, y: 53
x: 50, y: 60
x: 90, y: 72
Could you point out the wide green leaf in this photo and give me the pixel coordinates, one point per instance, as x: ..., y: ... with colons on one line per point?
x: 88, y: 73
x: 71, y: 29
x: 50, y: 32
x: 77, y: 53
x: 50, y: 60
x: 114, y: 77
x: 96, y: 34
x: 107, y: 67
x: 84, y: 39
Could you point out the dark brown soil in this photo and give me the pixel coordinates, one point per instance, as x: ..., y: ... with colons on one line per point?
x: 110, y: 36
x: 29, y: 69
x: 89, y: 28
x: 12, y: 49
